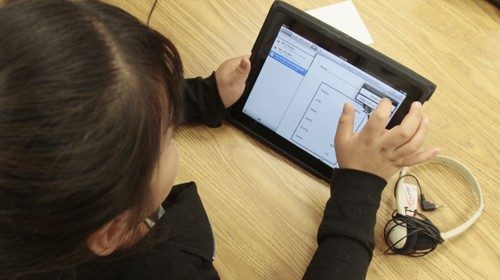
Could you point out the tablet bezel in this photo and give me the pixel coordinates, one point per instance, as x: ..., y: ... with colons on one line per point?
x: 331, y: 39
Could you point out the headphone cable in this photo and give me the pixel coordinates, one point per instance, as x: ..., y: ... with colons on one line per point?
x: 151, y: 12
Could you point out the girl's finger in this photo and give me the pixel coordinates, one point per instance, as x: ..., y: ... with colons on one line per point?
x: 345, y: 125
x: 378, y: 120
x: 420, y: 157
x: 400, y: 134
x: 414, y: 144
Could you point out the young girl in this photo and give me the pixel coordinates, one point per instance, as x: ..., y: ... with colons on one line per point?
x: 89, y: 102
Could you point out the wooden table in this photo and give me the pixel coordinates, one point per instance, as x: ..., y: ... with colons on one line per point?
x: 265, y: 210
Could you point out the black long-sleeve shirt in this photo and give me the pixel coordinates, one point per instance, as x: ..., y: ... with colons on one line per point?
x: 345, y: 236
x: 202, y: 102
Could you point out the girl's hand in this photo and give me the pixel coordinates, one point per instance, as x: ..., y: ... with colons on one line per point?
x: 380, y: 151
x: 231, y: 76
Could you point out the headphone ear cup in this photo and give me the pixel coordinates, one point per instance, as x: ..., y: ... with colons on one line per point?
x: 408, y: 247
x: 406, y: 235
x: 424, y: 242
x: 401, y: 236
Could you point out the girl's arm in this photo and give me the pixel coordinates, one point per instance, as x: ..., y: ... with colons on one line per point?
x: 206, y: 99
x: 367, y: 159
x: 202, y: 102
x: 345, y: 236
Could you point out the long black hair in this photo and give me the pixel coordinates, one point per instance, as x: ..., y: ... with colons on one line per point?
x: 85, y: 92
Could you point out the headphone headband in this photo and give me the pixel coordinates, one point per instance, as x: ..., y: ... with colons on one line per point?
x: 471, y: 180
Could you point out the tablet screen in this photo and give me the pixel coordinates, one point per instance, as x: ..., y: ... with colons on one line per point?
x: 301, y: 89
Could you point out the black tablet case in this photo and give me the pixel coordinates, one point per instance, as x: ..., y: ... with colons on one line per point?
x: 285, y: 10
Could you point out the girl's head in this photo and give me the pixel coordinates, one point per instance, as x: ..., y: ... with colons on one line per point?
x: 88, y: 99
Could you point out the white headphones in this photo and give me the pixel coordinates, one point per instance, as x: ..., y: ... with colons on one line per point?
x: 411, y: 233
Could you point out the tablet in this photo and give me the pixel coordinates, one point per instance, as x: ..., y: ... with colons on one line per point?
x: 303, y: 71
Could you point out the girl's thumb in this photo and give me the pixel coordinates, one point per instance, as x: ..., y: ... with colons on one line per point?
x: 243, y: 69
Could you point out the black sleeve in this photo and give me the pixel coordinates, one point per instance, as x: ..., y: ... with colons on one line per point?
x: 345, y: 236
x: 202, y: 102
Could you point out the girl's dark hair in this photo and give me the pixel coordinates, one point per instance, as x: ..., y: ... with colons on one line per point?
x: 86, y: 91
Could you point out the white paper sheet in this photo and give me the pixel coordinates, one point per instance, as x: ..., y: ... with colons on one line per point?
x: 345, y: 17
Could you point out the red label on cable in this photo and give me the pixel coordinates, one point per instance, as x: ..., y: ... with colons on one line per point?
x: 410, y: 202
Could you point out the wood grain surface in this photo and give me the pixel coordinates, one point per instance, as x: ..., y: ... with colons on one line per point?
x: 265, y: 210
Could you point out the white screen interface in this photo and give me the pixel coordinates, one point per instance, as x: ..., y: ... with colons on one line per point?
x: 301, y: 89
